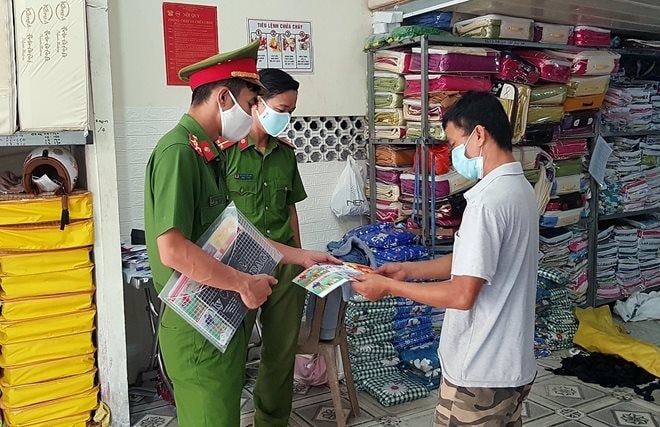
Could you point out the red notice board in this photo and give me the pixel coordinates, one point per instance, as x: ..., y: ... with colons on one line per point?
x: 191, y: 34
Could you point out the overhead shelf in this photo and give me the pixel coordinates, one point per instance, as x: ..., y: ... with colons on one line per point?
x: 467, y: 41
x: 36, y: 139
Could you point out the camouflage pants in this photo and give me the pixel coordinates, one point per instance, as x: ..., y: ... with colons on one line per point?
x: 484, y: 407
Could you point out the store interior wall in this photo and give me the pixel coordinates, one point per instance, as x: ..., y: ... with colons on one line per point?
x: 145, y: 108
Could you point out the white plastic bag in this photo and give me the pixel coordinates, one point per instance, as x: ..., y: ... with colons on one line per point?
x: 349, y: 199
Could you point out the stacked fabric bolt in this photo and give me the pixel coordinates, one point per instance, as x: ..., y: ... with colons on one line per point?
x: 629, y: 106
x: 422, y: 363
x: 628, y: 274
x: 648, y: 244
x: 608, y: 258
x: 577, y: 265
x: 413, y: 325
x: 556, y: 323
x: 554, y: 246
x: 650, y: 146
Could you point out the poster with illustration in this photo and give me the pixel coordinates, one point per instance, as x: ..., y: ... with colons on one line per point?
x: 286, y: 45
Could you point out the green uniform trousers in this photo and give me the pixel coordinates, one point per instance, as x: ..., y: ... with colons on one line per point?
x: 208, y: 384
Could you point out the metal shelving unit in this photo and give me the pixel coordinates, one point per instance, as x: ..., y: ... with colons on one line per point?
x: 36, y: 139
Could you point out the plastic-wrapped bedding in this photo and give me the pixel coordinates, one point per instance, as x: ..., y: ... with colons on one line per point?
x: 436, y: 130
x: 456, y: 59
x: 566, y: 202
x: 412, y: 111
x: 578, y: 122
x: 389, y: 82
x: 550, y: 94
x: 552, y: 68
x: 580, y: 103
x: 542, y: 133
x: 434, y: 19
x: 495, y: 27
x: 586, y: 86
x: 551, y: 219
x: 514, y: 97
x: 388, y: 100
x: 445, y: 185
x: 552, y: 33
x: 389, y: 175
x: 393, y: 156
x: 567, y: 149
x: 584, y: 35
x: 390, y: 132
x: 540, y: 114
x: 447, y: 82
x: 527, y: 156
x: 516, y: 70
x: 590, y: 62
x: 392, y: 61
x: 389, y: 117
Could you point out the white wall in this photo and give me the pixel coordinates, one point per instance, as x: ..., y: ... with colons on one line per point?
x: 339, y: 28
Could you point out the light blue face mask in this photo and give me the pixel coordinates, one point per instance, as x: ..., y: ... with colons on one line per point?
x: 273, y: 122
x: 471, y: 169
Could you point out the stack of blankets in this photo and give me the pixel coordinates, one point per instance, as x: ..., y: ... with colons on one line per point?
x: 629, y: 106
x: 608, y: 258
x: 389, y: 243
x: 556, y: 323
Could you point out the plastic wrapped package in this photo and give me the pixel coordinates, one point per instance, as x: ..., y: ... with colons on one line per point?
x: 33, y: 210
x: 552, y: 68
x: 412, y: 110
x: 384, y: 192
x: 550, y: 94
x: 568, y: 167
x: 515, y: 69
x: 411, y: 31
x: 584, y: 103
x: 21, y: 264
x: 445, y: 185
x: 579, y: 122
x: 447, y: 82
x: 514, y: 98
x: 527, y: 156
x: 23, y: 353
x: 389, y: 82
x: 552, y: 33
x: 389, y: 175
x: 30, y: 394
x: 444, y: 98
x: 393, y: 156
x: 51, y: 283
x: 8, y: 101
x: 584, y: 35
x: 541, y: 134
x: 375, y: 41
x: 569, y: 184
x: 567, y: 149
x: 439, y: 160
x: 392, y: 61
x: 567, y: 202
x: 15, y: 331
x: 389, y: 117
x: 52, y: 305
x: 53, y: 410
x: 457, y: 59
x: 552, y: 219
x: 390, y: 132
x: 46, y: 236
x: 495, y: 27
x: 435, y: 19
x: 587, y: 86
x: 389, y: 212
x: 590, y: 62
x: 47, y: 371
x: 436, y: 130
x: 539, y: 114
x: 388, y: 100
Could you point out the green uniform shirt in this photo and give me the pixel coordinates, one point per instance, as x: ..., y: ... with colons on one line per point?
x: 263, y: 186
x: 184, y: 189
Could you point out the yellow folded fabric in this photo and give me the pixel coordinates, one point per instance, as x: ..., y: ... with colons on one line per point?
x: 47, y: 236
x: 43, y: 350
x: 36, y: 210
x: 55, y: 283
x: 598, y: 333
x: 79, y: 420
x: 24, y: 263
x: 16, y: 331
x: 49, y: 370
x: 31, y: 394
x: 35, y: 307
x: 51, y: 410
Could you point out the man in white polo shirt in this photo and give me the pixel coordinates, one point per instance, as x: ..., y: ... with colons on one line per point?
x: 488, y: 284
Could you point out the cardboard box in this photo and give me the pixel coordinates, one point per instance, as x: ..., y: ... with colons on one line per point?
x: 7, y: 70
x: 52, y: 63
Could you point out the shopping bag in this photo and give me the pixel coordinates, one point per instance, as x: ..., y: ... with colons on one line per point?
x: 349, y: 199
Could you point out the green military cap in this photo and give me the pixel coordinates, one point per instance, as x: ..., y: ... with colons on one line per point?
x: 240, y: 63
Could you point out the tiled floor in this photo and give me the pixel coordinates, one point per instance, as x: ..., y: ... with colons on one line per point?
x: 554, y: 401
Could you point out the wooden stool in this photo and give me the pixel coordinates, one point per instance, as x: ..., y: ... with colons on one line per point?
x: 310, y: 342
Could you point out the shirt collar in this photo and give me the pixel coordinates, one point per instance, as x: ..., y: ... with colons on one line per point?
x: 272, y: 143
x: 191, y: 125
x: 513, y: 168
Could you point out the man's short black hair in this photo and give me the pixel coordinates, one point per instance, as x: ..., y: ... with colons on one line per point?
x: 201, y: 94
x: 481, y: 108
x: 277, y: 81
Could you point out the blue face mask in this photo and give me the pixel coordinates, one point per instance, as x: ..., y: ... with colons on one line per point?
x: 273, y: 122
x: 471, y: 169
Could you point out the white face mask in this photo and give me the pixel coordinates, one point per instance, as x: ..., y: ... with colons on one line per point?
x: 235, y: 122
x: 45, y: 184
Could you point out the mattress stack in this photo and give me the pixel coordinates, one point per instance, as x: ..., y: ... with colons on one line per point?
x: 47, y: 315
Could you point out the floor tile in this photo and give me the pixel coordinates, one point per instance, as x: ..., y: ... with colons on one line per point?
x: 561, y: 392
x: 627, y: 414
x: 323, y: 414
x: 153, y: 420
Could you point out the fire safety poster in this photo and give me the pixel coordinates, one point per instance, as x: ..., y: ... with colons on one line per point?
x: 191, y: 34
x: 286, y: 45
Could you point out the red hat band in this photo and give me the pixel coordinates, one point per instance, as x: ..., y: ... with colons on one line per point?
x: 241, y: 68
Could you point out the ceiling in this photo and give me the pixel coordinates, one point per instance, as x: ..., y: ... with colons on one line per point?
x: 624, y: 16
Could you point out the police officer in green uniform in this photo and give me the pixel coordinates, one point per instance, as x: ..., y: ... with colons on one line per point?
x: 185, y: 191
x: 264, y: 182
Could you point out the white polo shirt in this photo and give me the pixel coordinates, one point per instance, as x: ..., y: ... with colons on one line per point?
x: 492, y: 344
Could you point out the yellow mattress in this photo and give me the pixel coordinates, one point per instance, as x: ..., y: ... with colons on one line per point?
x: 16, y: 331
x: 30, y: 373
x: 31, y: 394
x: 55, y: 283
x: 51, y: 410
x: 24, y: 263
x: 35, y: 307
x: 48, y: 349
x: 46, y: 236
x: 36, y: 210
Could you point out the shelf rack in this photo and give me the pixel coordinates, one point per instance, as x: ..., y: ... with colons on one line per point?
x: 36, y: 139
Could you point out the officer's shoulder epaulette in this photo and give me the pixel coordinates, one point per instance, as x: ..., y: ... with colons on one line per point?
x: 285, y: 141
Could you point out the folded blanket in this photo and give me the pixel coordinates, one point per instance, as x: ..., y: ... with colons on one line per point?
x: 394, y: 389
x: 389, y: 82
x: 387, y: 155
x: 388, y: 100
x: 402, y: 253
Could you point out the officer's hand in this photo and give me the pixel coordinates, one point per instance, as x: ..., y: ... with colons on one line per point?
x: 256, y: 289
x: 396, y: 271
